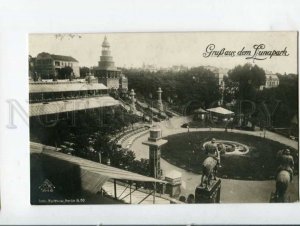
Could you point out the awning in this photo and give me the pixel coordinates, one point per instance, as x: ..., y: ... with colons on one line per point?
x: 103, y: 171
x: 55, y: 107
x: 46, y: 87
x: 91, y: 181
x: 220, y: 110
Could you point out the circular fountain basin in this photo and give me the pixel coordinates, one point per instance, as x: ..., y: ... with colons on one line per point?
x: 230, y: 147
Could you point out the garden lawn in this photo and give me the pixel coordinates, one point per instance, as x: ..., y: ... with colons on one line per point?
x: 185, y: 150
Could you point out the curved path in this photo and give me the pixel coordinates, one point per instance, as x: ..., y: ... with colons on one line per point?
x: 233, y: 191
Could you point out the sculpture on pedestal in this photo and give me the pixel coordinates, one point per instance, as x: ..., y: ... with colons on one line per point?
x: 284, y: 174
x: 209, y: 171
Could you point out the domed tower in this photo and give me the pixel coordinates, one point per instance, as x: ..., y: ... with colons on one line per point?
x: 106, y: 60
x: 106, y: 71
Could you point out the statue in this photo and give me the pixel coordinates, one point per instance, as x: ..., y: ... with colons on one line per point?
x: 209, y: 170
x: 212, y: 162
x: 282, y: 182
x: 213, y: 150
x: 286, y: 162
x: 284, y: 174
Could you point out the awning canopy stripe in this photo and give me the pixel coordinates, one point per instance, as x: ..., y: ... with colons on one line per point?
x: 64, y: 87
x: 93, y: 167
x: 55, y: 107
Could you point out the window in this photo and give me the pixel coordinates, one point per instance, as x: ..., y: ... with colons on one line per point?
x: 57, y: 63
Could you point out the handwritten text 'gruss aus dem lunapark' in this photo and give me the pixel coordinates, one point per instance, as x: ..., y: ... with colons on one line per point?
x: 259, y: 52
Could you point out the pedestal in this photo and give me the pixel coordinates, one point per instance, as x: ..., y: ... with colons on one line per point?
x: 174, y: 182
x: 173, y: 190
x: 209, y: 195
x: 155, y: 142
x: 275, y: 199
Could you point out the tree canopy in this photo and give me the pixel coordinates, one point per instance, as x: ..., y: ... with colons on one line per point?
x: 84, y: 71
x: 249, y: 78
x: 65, y: 72
x: 197, y: 85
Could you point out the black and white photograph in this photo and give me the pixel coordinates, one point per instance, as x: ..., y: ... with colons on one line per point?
x: 163, y: 118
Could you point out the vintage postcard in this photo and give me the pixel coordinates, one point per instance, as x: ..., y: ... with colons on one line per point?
x: 164, y: 118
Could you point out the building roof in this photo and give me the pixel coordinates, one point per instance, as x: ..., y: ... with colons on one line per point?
x: 272, y: 77
x: 57, y: 57
x: 220, y: 110
x: 103, y: 171
x: 55, y: 107
x: 63, y: 58
x: 50, y: 87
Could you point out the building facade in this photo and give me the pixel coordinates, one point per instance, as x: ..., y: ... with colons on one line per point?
x: 47, y: 66
x: 57, y: 97
x: 272, y: 81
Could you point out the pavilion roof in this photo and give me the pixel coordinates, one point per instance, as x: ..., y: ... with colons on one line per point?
x: 51, y: 87
x: 200, y: 110
x: 54, y: 107
x: 220, y: 110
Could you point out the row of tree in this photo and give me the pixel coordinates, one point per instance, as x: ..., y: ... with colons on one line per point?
x: 90, y: 134
x: 179, y: 88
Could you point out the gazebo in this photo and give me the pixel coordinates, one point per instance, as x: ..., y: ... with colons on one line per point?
x: 200, y: 114
x: 220, y: 114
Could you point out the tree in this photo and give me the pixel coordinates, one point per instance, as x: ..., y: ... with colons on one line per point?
x: 141, y: 167
x: 65, y: 72
x: 249, y: 78
x: 282, y: 101
x: 197, y: 84
x: 84, y: 71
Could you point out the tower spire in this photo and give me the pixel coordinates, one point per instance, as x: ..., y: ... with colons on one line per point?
x: 105, y: 43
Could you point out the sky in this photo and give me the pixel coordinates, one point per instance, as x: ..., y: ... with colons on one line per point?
x: 167, y: 49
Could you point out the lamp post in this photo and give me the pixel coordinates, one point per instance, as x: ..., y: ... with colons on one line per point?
x: 100, y: 156
x: 132, y: 105
x: 159, y: 100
